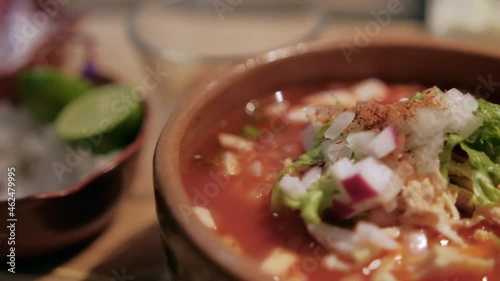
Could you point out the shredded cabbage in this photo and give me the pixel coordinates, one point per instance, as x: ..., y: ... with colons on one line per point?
x: 483, y: 152
x: 487, y: 137
x: 308, y: 159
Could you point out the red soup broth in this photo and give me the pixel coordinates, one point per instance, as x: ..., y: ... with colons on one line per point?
x: 240, y: 205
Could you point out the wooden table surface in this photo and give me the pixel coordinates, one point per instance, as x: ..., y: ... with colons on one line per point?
x: 130, y: 248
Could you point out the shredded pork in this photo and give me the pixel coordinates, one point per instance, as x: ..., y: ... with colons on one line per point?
x: 431, y: 204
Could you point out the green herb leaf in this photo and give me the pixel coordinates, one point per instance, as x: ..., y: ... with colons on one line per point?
x: 308, y: 159
x: 251, y: 132
x: 314, y: 202
x: 319, y: 138
x: 417, y: 96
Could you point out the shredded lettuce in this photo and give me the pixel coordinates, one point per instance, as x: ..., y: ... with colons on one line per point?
x: 311, y: 158
x: 482, y: 166
x: 451, y: 142
x: 314, y: 202
x: 487, y: 137
x: 319, y: 197
x: 485, y: 176
x: 472, y: 163
x: 417, y: 96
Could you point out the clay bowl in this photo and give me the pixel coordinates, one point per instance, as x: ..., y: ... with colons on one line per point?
x: 196, y: 253
x: 51, y: 222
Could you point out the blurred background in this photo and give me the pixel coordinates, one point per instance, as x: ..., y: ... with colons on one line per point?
x: 176, y: 46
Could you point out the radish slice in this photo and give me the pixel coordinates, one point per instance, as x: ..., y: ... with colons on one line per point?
x: 365, y: 184
x: 380, y: 178
x: 335, y: 149
x: 340, y: 123
x: 384, y: 143
x: 310, y: 177
x: 343, y: 210
x: 292, y: 186
x: 359, y: 188
x: 358, y: 141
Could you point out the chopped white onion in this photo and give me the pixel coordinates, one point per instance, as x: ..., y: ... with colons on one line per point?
x: 234, y: 142
x: 367, y: 184
x: 380, y: 177
x: 332, y: 262
x: 292, y: 186
x: 297, y: 115
x: 384, y: 143
x: 427, y: 123
x: 454, y: 114
x: 279, y: 262
x: 373, y: 235
x: 460, y: 108
x: 426, y: 159
x: 469, y: 126
x: 231, y: 163
x: 340, y: 123
x: 335, y: 149
x: 311, y: 176
x: 358, y: 141
x: 342, y: 168
x: 365, y: 179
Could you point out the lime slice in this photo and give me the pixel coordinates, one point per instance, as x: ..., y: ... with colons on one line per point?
x: 45, y: 91
x: 106, y: 118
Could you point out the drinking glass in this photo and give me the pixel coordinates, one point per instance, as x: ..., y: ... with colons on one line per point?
x: 186, y: 42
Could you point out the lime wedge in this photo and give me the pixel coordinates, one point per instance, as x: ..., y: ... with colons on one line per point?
x: 106, y: 118
x: 45, y: 91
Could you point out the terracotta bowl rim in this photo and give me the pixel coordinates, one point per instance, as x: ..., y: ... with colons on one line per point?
x: 122, y: 156
x: 168, y: 182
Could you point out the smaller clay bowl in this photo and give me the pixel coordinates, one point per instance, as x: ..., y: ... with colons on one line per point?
x: 50, y: 222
